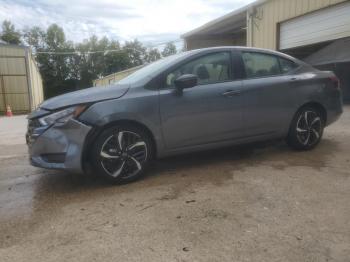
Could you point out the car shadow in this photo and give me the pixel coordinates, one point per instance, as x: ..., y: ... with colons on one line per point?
x: 276, y: 153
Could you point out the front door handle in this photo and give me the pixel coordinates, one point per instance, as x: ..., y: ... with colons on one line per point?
x: 230, y: 93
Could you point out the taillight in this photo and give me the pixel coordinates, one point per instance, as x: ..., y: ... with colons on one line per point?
x: 335, y: 81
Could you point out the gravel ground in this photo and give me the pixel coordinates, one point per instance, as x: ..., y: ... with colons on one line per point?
x: 261, y: 202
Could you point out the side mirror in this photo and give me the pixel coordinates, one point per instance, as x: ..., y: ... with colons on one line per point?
x: 186, y: 81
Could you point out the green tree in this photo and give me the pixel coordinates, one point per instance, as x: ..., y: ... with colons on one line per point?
x: 34, y: 37
x: 66, y: 66
x: 54, y: 67
x: 55, y: 38
x: 169, y: 49
x: 136, y: 52
x: 91, y: 60
x: 152, y: 55
x: 116, y: 60
x: 9, y: 33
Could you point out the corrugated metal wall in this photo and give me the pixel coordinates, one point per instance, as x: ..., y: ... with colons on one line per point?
x: 195, y: 43
x: 113, y: 78
x: 263, y: 31
x: 20, y: 81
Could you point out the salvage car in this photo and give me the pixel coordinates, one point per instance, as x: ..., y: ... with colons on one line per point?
x: 191, y: 101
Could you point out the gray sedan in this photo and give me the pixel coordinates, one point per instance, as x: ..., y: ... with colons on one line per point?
x: 196, y: 100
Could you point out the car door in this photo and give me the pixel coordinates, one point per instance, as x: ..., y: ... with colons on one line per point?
x: 206, y: 113
x: 269, y: 94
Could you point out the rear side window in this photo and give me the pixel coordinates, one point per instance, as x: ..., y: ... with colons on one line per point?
x: 287, y: 65
x: 260, y: 65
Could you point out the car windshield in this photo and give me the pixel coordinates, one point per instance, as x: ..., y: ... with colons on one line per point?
x: 150, y: 69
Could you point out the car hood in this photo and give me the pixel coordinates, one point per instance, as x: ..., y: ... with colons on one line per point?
x: 89, y: 95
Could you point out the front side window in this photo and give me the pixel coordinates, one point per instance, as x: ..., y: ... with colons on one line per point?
x: 209, y: 69
x: 260, y: 65
x: 151, y: 69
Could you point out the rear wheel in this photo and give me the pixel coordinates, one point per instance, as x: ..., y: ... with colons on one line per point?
x: 122, y: 153
x: 306, y: 129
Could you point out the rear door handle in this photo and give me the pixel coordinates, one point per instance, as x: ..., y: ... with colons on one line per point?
x: 293, y: 79
x: 230, y: 93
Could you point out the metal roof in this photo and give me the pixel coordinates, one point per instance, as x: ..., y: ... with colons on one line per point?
x: 217, y: 26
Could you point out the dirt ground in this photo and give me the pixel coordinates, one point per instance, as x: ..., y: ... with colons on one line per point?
x: 261, y: 202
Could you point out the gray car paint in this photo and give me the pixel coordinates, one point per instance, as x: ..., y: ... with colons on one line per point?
x: 67, y: 138
x: 85, y: 96
x: 199, y: 115
x: 269, y: 104
x: 197, y: 118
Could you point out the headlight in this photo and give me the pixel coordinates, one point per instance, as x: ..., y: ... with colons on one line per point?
x: 62, y: 116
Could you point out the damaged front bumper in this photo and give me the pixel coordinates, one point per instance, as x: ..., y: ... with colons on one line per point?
x: 59, y: 146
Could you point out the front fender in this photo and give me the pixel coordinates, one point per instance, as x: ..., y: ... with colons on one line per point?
x: 143, y: 109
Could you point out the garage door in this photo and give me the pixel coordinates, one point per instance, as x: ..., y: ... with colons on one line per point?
x: 320, y: 26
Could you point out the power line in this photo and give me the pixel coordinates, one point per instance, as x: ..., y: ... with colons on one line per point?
x: 83, y: 52
x: 164, y: 43
x: 102, y: 51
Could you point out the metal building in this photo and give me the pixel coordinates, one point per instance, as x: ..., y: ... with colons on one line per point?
x: 20, y: 81
x: 115, y: 77
x: 297, y: 27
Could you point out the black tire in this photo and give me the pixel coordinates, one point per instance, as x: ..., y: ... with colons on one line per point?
x: 306, y: 129
x: 126, y: 162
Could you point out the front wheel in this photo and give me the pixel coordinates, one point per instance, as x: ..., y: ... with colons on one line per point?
x: 122, y: 153
x: 306, y: 129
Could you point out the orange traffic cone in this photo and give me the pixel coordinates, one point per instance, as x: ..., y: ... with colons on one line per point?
x: 9, y: 111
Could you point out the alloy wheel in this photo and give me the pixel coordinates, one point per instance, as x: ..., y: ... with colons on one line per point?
x: 309, y: 128
x: 123, y: 154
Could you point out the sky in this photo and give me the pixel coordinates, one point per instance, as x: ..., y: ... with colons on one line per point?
x: 150, y: 21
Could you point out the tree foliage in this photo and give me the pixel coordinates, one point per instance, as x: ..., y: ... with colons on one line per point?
x: 9, y: 34
x: 66, y: 66
x: 152, y: 55
x: 169, y: 49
